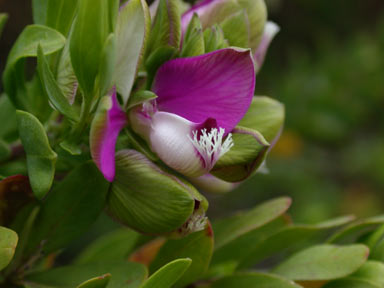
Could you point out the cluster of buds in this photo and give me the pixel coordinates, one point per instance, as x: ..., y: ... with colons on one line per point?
x: 169, y: 99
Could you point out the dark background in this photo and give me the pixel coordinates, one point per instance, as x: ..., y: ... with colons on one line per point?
x: 327, y: 66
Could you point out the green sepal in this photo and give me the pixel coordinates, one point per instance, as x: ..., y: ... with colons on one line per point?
x: 166, y: 29
x: 26, y: 46
x: 41, y: 158
x: 133, y: 27
x: 140, y: 97
x: 265, y: 115
x: 236, y: 29
x: 214, y: 39
x: 55, y: 95
x: 247, y: 154
x: 193, y: 44
x: 257, y: 16
x: 147, y: 198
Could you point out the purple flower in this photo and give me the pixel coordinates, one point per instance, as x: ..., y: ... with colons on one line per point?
x: 200, y: 101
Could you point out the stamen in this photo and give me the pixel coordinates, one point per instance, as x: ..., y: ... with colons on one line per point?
x: 210, y: 145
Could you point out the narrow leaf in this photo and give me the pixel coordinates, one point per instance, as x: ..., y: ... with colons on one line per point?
x: 90, y: 30
x: 166, y: 276
x: 26, y: 46
x: 54, y: 93
x: 133, y: 25
x: 323, y: 262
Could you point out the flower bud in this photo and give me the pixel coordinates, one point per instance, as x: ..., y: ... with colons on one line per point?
x: 151, y: 200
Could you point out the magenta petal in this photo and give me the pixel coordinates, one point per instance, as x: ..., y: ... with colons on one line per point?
x: 105, y: 129
x: 200, y: 8
x: 217, y: 85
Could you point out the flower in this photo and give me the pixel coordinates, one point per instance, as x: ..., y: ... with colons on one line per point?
x: 199, y: 102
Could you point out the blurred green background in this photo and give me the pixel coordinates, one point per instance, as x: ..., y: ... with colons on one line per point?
x: 327, y: 66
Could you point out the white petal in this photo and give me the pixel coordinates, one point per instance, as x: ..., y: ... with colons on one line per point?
x: 169, y: 140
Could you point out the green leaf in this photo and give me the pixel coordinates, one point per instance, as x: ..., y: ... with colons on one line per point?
x: 8, y: 129
x: 39, y: 9
x: 323, y: 262
x: 15, y: 193
x: 265, y: 115
x: 107, y: 65
x: 71, y: 207
x: 372, y: 271
x: 229, y: 229
x: 90, y: 31
x: 60, y: 14
x: 351, y: 283
x: 133, y: 25
x: 196, y: 246
x: 193, y: 43
x: 245, y: 157
x: 97, y: 282
x: 5, y: 151
x: 114, y: 246
x: 247, y: 280
x: 3, y: 20
x: 236, y: 29
x: 356, y: 229
x: 166, y: 29
x: 285, y: 238
x: 55, y: 95
x: 23, y: 223
x: 8, y: 243
x: 124, y: 275
x: 66, y: 78
x: 140, y: 97
x: 41, y: 158
x: 166, y: 276
x: 26, y: 46
x: 147, y: 198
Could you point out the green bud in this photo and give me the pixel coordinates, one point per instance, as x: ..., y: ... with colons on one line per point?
x: 193, y: 44
x: 247, y: 154
x: 214, y: 39
x: 151, y: 200
x: 257, y: 16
